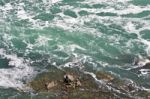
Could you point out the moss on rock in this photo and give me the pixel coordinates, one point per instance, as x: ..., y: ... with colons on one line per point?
x: 88, y: 88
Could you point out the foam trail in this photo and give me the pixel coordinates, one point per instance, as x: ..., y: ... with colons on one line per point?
x: 148, y: 45
x: 145, y: 71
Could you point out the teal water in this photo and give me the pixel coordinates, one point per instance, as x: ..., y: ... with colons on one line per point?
x: 105, y: 35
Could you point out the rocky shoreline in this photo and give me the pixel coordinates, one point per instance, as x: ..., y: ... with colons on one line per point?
x: 74, y: 84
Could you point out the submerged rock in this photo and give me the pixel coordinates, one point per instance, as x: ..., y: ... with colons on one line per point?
x: 104, y: 76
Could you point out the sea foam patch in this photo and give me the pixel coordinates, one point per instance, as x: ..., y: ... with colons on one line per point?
x: 13, y: 77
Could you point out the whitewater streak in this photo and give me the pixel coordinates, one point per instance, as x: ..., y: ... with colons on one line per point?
x: 18, y: 71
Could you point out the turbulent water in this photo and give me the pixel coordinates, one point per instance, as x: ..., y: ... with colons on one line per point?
x: 98, y: 35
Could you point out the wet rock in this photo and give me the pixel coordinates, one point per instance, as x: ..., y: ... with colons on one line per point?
x: 142, y: 62
x: 68, y: 78
x: 78, y: 83
x: 39, y: 84
x: 142, y: 66
x: 127, y: 88
x: 142, y: 94
x: 131, y: 87
x: 50, y: 85
x: 147, y: 66
x: 104, y: 76
x: 73, y: 84
x: 71, y: 81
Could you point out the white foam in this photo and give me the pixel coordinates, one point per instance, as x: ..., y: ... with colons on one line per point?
x: 8, y: 6
x: 42, y: 40
x: 143, y: 62
x: 51, y: 1
x: 130, y: 27
x: 148, y: 49
x: 55, y: 1
x: 12, y: 77
x: 29, y: 46
x: 22, y: 14
x: 132, y: 9
x: 105, y: 1
x: 146, y: 42
x: 145, y: 71
x: 70, y: 47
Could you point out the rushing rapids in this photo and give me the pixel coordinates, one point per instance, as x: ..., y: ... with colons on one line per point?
x: 92, y: 35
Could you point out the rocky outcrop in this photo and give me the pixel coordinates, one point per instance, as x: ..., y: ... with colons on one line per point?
x: 73, y: 84
x: 69, y: 84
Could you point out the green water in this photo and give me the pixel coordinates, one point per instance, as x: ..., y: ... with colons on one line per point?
x: 101, y: 35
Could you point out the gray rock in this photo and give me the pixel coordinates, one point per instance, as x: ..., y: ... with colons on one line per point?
x: 68, y: 78
x: 50, y: 85
x: 78, y: 83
